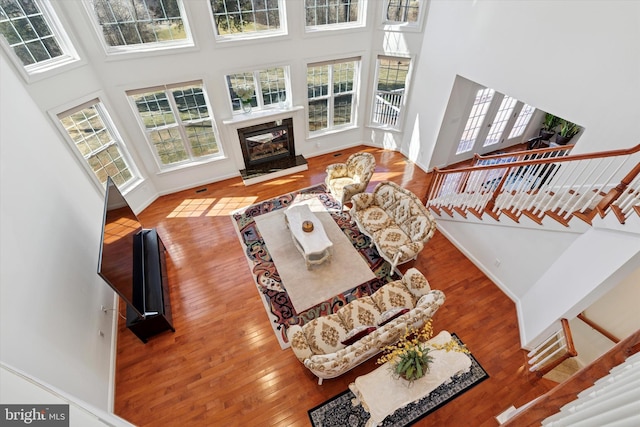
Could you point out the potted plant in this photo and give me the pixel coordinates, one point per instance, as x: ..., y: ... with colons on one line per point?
x: 548, y: 126
x: 409, y: 358
x: 567, y: 131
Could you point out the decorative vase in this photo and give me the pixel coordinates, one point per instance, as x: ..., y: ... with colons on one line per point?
x: 246, y: 106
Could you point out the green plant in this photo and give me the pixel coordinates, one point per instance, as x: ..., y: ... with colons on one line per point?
x: 550, y: 122
x: 409, y: 358
x: 568, y: 129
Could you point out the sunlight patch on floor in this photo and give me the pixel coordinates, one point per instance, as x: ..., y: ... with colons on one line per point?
x: 384, y: 176
x: 191, y: 208
x: 226, y: 205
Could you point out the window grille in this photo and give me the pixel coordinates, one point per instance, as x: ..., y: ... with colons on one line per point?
x: 269, y: 88
x: 34, y: 35
x: 323, y: 13
x: 246, y: 17
x: 177, y: 122
x: 391, y: 82
x: 96, y: 140
x: 331, y: 91
x: 133, y: 25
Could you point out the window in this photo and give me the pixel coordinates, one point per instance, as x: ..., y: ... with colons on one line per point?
x: 96, y: 140
x: 500, y: 121
x: 391, y: 82
x: 475, y: 120
x: 269, y: 87
x: 177, y: 123
x: 239, y: 18
x: 408, y: 13
x: 134, y: 25
x: 331, y: 13
x: 493, y: 119
x: 522, y: 121
x: 34, y: 34
x: 331, y: 93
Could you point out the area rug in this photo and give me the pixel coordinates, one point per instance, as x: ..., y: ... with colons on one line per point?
x: 307, y: 287
x: 274, y: 295
x: 339, y: 411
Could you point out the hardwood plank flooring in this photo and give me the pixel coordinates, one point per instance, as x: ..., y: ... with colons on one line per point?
x: 223, y: 365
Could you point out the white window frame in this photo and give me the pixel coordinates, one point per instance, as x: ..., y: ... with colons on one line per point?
x: 282, y: 31
x: 179, y: 125
x: 38, y: 70
x: 359, y: 23
x: 405, y: 26
x: 103, y: 111
x: 257, y: 90
x: 140, y: 47
x: 331, y: 96
x: 403, y: 104
x: 484, y: 127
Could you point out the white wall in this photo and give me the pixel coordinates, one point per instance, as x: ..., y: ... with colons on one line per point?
x: 590, y: 75
x: 50, y: 218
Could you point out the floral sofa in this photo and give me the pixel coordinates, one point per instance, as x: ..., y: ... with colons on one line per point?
x: 351, y: 177
x: 396, y: 221
x: 332, y: 345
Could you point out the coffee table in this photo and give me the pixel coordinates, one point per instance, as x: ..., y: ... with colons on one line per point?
x: 314, y: 245
x: 381, y: 394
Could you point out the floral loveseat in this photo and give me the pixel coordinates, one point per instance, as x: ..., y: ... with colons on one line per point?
x: 332, y: 345
x: 396, y: 221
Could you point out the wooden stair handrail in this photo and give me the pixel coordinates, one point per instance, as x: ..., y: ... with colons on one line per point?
x: 598, y: 328
x: 477, y: 156
x: 618, y: 190
x: 551, y: 402
x: 571, y: 350
x: 536, y: 161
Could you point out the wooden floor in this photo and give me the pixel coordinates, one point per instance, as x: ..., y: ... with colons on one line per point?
x: 223, y: 365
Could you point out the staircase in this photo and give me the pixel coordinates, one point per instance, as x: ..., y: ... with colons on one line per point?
x: 592, y: 194
x: 549, y: 183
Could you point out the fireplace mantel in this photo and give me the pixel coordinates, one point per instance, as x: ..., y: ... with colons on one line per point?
x: 259, y: 116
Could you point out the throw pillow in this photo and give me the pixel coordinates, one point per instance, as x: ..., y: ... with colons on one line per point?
x: 359, y: 312
x: 393, y: 295
x: 357, y: 333
x: 415, y: 281
x: 392, y: 314
x: 324, y: 334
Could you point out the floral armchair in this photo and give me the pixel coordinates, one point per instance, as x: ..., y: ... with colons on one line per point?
x: 352, y: 177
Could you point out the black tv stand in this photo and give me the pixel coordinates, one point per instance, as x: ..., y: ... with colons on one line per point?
x: 150, y: 287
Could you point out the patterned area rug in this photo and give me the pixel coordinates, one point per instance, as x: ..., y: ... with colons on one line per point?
x: 274, y: 296
x: 339, y: 412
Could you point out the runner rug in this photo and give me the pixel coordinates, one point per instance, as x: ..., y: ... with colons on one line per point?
x: 339, y: 411
x: 274, y: 295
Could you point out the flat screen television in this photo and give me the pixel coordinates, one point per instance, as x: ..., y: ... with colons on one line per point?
x: 116, y: 264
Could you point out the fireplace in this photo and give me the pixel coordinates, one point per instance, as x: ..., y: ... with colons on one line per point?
x: 267, y: 142
x: 269, y: 151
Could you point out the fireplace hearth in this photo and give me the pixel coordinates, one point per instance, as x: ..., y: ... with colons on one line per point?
x: 268, y: 148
